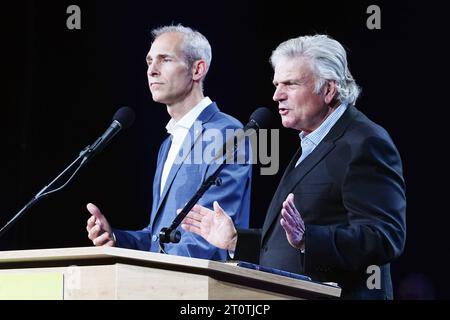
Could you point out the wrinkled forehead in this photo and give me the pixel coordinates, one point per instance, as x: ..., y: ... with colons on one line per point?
x: 292, y: 68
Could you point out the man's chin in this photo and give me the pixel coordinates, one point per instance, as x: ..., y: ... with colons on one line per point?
x: 157, y: 98
x: 286, y: 123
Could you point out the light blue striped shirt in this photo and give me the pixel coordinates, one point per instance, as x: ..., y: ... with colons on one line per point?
x: 310, y: 142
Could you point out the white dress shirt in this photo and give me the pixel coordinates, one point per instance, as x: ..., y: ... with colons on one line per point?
x: 179, y: 130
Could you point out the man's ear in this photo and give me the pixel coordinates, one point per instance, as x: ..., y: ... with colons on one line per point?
x: 330, y: 91
x: 198, y: 70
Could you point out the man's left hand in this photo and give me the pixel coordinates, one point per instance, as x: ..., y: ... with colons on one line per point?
x: 292, y: 223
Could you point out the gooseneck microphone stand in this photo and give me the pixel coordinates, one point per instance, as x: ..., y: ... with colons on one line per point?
x: 261, y: 118
x: 123, y: 118
x: 48, y: 189
x: 171, y: 234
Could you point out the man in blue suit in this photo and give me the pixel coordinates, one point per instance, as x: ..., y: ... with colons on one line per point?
x: 178, y: 62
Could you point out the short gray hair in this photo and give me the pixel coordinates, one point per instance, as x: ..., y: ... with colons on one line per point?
x: 195, y: 46
x: 328, y: 61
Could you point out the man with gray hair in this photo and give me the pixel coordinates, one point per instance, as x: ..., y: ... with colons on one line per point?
x: 339, y: 210
x: 178, y: 61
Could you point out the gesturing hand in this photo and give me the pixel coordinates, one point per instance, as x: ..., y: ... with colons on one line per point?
x: 216, y: 226
x: 292, y: 223
x: 98, y: 228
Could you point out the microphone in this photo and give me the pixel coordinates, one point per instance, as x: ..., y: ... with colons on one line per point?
x: 260, y: 118
x: 123, y: 118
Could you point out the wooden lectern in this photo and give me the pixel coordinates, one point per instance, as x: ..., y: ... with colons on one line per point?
x: 115, y: 273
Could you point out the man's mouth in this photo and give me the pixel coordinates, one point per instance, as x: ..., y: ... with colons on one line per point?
x: 283, y: 111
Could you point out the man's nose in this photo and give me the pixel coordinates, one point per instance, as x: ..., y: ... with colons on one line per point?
x: 152, y: 69
x: 279, y: 94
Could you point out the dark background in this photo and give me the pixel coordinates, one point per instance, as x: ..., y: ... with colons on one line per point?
x: 61, y: 87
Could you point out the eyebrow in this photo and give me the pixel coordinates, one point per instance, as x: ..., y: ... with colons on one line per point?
x: 302, y: 79
x: 159, y: 56
x: 287, y: 81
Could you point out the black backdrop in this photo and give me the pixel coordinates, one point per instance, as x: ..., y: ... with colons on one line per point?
x: 60, y: 88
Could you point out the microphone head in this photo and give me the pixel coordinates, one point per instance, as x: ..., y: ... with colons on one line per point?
x: 125, y: 116
x: 262, y: 118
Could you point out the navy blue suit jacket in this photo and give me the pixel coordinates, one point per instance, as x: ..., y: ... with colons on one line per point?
x: 183, y: 181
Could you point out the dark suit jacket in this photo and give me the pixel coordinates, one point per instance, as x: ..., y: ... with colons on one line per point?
x: 351, y: 195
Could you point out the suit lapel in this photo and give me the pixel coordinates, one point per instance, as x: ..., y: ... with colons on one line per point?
x: 159, y: 169
x: 294, y: 176
x: 188, y: 144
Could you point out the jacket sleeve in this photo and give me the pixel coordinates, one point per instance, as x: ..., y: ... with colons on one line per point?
x: 373, y: 194
x: 138, y: 240
x: 248, y: 245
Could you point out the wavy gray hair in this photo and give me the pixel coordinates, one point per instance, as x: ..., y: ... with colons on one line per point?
x: 195, y: 46
x: 328, y: 61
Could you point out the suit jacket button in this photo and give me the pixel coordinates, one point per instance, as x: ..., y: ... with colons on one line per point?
x: 154, y: 238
